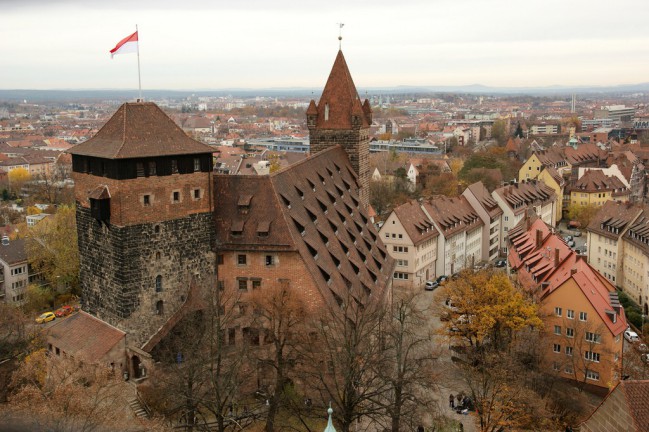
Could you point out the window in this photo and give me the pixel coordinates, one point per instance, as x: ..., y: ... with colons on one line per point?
x: 174, y: 166
x: 243, y: 284
x: 592, y: 375
x: 176, y: 196
x: 270, y: 260
x: 557, y: 311
x: 146, y: 200
x: 593, y: 337
x: 556, y: 366
x: 583, y: 316
x: 556, y: 348
x: 591, y: 356
x: 568, y: 369
x: 241, y: 259
x: 232, y: 333
x: 506, y: 218
x: 197, y: 194
x: 400, y: 235
x: 387, y: 235
x: 570, y: 314
x: 399, y: 275
x: 570, y: 332
x: 139, y: 166
x: 158, y: 283
x: 159, y: 307
x: 197, y: 164
x: 152, y: 168
x: 557, y: 330
x: 568, y: 350
x: 156, y: 229
x: 256, y: 284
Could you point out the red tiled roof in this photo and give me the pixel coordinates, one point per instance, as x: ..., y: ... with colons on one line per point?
x: 139, y: 130
x: 417, y: 225
x: 84, y: 336
x: 341, y: 98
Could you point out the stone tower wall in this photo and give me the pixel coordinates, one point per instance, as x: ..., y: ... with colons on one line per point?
x: 356, y: 143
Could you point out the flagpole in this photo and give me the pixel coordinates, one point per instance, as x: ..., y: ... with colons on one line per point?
x: 139, y: 79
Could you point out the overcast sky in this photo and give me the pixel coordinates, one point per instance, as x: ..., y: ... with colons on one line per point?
x: 201, y: 44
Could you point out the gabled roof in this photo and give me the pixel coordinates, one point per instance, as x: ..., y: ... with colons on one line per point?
x: 634, y: 397
x: 520, y: 195
x: 139, y: 130
x: 84, y: 336
x: 597, y: 181
x: 339, y: 100
x: 485, y: 199
x: 313, y: 208
x: 415, y: 221
x: 613, y: 218
x: 452, y: 215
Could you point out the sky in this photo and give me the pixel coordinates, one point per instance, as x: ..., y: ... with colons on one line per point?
x: 220, y: 44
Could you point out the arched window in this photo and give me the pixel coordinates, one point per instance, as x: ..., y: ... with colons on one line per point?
x: 158, y: 283
x: 159, y: 307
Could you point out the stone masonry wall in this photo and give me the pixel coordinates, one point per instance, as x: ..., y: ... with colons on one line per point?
x: 612, y: 415
x: 119, y: 265
x: 356, y: 143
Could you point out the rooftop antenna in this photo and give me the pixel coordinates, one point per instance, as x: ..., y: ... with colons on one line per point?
x: 340, y: 35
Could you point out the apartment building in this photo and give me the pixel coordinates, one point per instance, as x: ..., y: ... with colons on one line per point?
x: 491, y: 215
x: 459, y: 244
x: 15, y: 271
x: 595, y: 188
x: 411, y: 239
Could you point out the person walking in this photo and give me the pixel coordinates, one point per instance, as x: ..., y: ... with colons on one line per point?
x: 451, y: 401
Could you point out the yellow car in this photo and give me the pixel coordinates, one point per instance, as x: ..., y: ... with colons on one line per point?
x: 46, y: 317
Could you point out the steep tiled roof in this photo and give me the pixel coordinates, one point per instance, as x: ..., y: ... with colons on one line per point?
x: 84, y: 336
x: 638, y: 232
x: 485, y: 199
x: 138, y: 130
x: 551, y: 157
x: 597, y: 181
x: 555, y: 175
x: 14, y: 252
x: 613, y: 218
x: 311, y: 207
x: 637, y: 398
x: 416, y: 223
x: 521, y: 195
x: 584, y: 153
x: 339, y: 100
x: 452, y: 215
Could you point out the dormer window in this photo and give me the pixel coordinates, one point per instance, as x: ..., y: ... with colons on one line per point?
x: 326, y: 113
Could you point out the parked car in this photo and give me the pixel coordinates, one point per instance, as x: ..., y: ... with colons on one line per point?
x: 644, y: 358
x: 431, y: 285
x: 569, y: 238
x: 64, y: 311
x: 571, y: 243
x: 576, y: 233
x: 574, y: 224
x: 46, y: 317
x: 501, y: 263
x: 442, y: 279
x: 631, y: 336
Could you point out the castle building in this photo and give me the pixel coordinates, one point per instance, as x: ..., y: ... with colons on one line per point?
x: 154, y: 221
x: 340, y: 118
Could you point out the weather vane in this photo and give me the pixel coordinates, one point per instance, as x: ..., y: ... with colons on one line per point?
x: 340, y: 35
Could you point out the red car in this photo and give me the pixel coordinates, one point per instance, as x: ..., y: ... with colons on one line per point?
x: 64, y: 311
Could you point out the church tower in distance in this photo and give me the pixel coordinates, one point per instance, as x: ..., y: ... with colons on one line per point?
x: 340, y: 118
x: 144, y: 219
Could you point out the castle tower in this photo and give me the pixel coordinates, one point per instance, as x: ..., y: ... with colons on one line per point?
x: 340, y: 118
x: 144, y: 219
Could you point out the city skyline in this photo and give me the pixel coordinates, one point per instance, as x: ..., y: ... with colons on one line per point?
x: 249, y: 45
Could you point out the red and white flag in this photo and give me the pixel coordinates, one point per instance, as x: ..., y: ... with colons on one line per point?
x: 126, y: 45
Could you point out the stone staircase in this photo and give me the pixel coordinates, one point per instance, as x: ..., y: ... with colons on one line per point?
x: 139, y: 407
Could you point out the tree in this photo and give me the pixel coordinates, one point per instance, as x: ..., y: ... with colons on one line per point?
x: 17, y: 179
x: 340, y: 358
x: 442, y: 184
x: 51, y: 252
x: 67, y: 394
x: 499, y: 131
x: 409, y: 367
x: 519, y: 131
x: 38, y: 298
x: 50, y: 187
x: 13, y: 333
x: 582, y: 213
x: 281, y: 313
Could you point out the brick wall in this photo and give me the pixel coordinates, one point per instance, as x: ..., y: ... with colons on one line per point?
x: 127, y: 205
x: 612, y: 415
x: 356, y: 143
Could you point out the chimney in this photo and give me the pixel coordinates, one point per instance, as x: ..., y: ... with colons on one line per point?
x: 556, y: 257
x: 539, y: 238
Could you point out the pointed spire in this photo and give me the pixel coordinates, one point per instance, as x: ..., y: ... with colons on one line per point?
x: 330, y: 426
x: 339, y: 106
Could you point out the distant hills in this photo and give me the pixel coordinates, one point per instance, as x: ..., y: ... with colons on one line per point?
x: 36, y: 96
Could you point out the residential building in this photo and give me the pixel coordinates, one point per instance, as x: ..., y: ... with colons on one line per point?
x: 595, y: 188
x: 544, y: 129
x: 605, y: 240
x: 459, y: 244
x: 636, y: 260
x: 410, y: 237
x: 579, y: 307
x: 491, y: 215
x: 515, y: 199
x: 15, y: 271
x: 35, y: 218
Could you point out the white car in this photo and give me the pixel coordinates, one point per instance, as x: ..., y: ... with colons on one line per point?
x: 631, y: 336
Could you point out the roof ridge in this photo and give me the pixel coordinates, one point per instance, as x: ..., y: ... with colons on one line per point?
x: 310, y: 157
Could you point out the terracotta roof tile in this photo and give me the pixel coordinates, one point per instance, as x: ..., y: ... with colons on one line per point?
x: 415, y: 221
x: 139, y: 130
